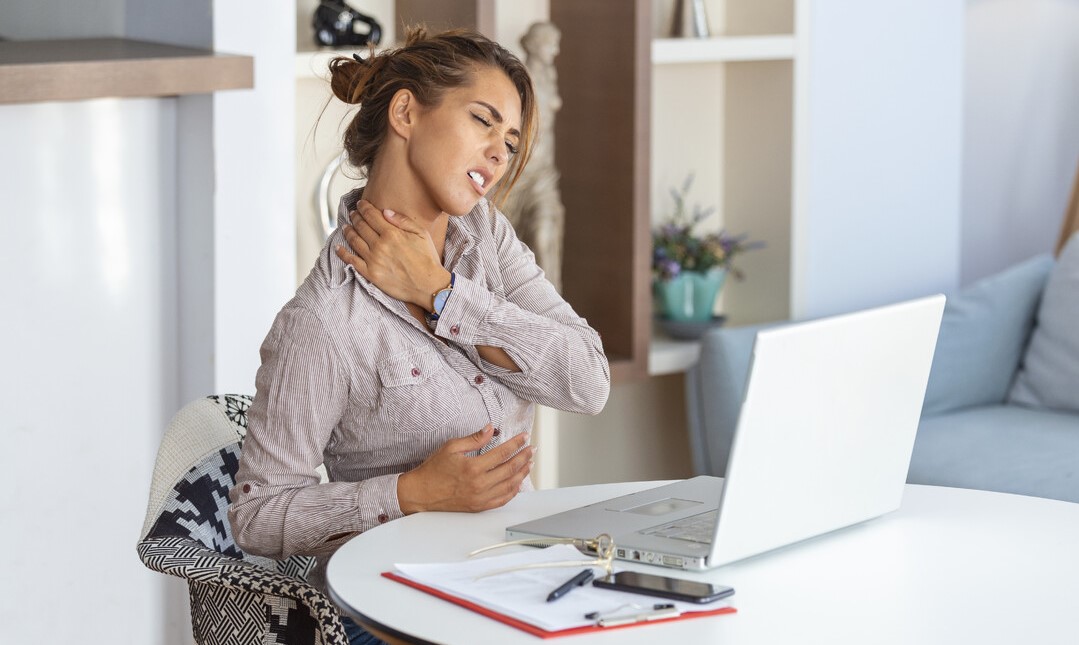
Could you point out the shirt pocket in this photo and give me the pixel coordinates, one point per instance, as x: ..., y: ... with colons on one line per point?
x: 417, y: 393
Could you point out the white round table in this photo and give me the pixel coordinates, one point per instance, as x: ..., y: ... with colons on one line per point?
x: 951, y: 566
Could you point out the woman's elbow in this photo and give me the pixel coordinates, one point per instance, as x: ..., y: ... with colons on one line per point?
x: 250, y: 539
x: 592, y: 399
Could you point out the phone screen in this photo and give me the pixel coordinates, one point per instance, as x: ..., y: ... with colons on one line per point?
x: 663, y: 586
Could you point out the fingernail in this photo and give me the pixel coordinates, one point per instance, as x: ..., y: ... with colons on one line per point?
x: 389, y: 213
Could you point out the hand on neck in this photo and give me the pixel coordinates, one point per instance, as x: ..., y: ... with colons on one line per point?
x: 398, y: 190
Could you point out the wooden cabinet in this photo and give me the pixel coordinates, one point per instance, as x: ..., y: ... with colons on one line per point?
x: 641, y: 112
x: 602, y: 150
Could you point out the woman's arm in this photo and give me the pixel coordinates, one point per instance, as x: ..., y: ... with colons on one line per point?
x: 560, y: 359
x: 531, y: 340
x: 279, y: 507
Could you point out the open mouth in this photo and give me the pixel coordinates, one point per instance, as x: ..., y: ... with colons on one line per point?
x: 477, y: 179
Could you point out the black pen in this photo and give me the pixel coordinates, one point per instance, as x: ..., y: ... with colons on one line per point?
x: 578, y: 580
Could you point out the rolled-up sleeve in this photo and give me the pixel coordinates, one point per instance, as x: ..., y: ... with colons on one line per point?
x: 278, y: 507
x: 560, y: 356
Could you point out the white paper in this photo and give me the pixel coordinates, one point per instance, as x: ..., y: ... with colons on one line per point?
x: 523, y: 594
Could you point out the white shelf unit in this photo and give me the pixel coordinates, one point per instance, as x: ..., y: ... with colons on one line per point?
x: 734, y: 132
x: 725, y: 49
x: 668, y: 356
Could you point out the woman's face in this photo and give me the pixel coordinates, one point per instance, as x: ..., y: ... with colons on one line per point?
x: 460, y: 148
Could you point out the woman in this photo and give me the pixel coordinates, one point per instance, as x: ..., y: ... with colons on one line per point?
x: 411, y: 357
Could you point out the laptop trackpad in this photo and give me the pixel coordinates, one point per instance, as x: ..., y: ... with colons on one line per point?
x: 659, y: 507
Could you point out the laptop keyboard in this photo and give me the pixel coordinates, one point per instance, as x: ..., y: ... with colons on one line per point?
x: 695, y: 528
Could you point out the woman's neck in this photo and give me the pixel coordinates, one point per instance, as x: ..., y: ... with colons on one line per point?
x: 401, y: 193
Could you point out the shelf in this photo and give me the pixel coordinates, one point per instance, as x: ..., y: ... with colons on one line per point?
x: 667, y: 356
x: 70, y: 70
x: 722, y: 49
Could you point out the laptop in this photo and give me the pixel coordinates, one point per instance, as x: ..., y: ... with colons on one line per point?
x: 823, y: 441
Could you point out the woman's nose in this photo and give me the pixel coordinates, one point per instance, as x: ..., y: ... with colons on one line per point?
x: 497, y: 151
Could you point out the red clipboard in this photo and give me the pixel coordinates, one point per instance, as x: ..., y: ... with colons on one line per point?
x: 542, y: 633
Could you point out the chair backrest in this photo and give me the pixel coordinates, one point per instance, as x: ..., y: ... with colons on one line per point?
x: 235, y: 597
x: 195, y: 469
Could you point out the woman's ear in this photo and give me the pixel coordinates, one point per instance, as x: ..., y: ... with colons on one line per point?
x: 403, y: 112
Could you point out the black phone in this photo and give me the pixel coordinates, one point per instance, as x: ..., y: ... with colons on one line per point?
x: 664, y: 587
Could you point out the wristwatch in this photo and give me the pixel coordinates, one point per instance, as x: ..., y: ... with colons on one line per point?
x: 440, y: 296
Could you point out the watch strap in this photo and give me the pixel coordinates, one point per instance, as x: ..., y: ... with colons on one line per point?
x: 439, y: 302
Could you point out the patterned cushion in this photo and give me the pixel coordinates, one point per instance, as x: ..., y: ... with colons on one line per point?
x: 236, y: 598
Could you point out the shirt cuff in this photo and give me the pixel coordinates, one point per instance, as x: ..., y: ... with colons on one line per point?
x: 377, y: 502
x: 462, y: 318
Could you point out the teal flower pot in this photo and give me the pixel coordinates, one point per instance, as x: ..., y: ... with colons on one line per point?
x: 690, y: 296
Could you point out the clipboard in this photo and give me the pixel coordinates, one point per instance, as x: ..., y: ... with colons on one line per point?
x: 542, y: 633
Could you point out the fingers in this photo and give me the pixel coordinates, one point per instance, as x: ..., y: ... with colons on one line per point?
x: 365, y: 232
x: 372, y: 216
x: 359, y: 245
x: 506, y: 451
x: 402, y: 221
x: 472, y: 442
x: 382, y: 221
x: 504, y: 481
x: 357, y: 262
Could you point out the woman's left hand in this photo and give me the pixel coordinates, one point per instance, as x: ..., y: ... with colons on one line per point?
x: 395, y: 253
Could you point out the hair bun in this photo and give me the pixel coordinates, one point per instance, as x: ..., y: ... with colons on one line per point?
x: 350, y: 76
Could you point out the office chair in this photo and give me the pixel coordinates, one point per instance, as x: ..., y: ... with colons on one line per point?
x: 236, y: 598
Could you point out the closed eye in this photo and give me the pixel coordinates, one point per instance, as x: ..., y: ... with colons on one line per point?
x: 487, y: 123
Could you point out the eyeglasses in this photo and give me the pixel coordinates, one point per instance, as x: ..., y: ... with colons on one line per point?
x: 602, y: 546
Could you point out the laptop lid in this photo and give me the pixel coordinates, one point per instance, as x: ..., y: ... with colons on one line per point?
x: 827, y: 426
x: 823, y: 441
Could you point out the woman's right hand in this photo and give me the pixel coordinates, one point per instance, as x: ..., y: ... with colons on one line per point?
x: 450, y: 480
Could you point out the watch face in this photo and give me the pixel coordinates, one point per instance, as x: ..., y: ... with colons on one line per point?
x: 440, y: 300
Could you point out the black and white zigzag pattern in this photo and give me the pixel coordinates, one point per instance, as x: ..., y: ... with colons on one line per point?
x: 233, y: 601
x: 199, y: 504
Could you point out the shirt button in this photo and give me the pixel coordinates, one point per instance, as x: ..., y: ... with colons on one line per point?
x: 456, y: 329
x: 497, y: 432
x: 383, y: 518
x: 479, y: 379
x: 247, y: 488
x: 415, y: 371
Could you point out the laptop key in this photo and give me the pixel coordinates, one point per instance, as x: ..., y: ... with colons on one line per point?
x: 695, y: 528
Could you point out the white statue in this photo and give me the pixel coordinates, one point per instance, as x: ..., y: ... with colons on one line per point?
x: 535, y: 206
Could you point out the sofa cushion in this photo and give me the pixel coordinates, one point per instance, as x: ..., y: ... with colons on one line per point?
x: 1049, y: 376
x: 1004, y: 448
x: 982, y: 335
x: 714, y: 389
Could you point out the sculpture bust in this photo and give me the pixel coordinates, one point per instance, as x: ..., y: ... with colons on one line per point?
x: 535, y: 206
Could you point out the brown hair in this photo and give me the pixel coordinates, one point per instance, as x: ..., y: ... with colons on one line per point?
x: 427, y: 65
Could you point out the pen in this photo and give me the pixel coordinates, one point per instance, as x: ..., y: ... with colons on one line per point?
x: 576, y: 581
x: 614, y: 621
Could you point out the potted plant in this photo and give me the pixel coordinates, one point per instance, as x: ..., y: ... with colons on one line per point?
x: 689, y: 268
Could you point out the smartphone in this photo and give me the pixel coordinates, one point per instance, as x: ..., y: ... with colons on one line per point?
x: 664, y: 587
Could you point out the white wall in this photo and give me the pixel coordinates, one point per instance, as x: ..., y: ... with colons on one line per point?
x: 878, y: 187
x: 1021, y: 131
x: 89, y: 351
x: 39, y: 19
x: 254, y: 226
x: 149, y: 244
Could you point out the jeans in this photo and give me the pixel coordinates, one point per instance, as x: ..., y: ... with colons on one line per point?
x: 358, y: 635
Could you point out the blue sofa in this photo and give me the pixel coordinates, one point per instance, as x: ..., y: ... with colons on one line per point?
x: 973, y: 432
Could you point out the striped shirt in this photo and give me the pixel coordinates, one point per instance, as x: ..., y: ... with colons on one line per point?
x: 350, y: 379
